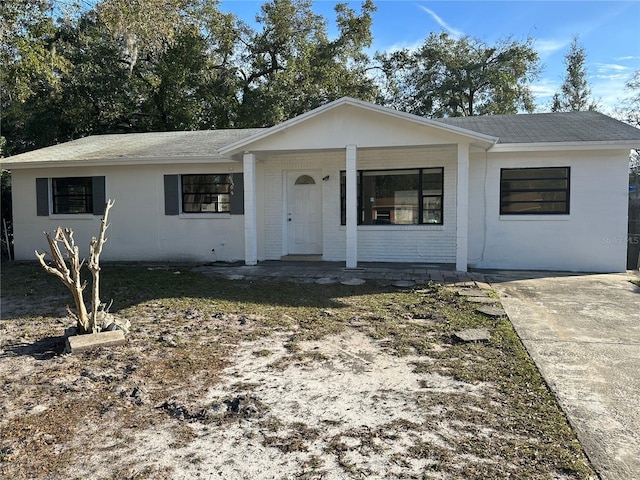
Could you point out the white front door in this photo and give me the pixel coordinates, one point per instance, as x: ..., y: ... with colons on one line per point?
x: 304, y: 213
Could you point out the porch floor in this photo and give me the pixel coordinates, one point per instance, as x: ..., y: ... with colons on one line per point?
x: 334, y: 272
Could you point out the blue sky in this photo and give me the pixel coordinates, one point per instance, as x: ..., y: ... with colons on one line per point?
x: 608, y: 30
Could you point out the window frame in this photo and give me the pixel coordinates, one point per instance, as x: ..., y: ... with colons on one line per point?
x: 421, y: 196
x: 212, y: 193
x: 88, y: 198
x: 505, y: 192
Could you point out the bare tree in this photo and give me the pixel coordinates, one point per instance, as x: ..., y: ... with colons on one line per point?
x: 68, y: 271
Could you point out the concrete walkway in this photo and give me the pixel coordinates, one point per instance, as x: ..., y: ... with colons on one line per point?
x: 583, y: 332
x: 334, y: 272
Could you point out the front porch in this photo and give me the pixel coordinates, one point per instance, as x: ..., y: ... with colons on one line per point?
x: 357, y: 183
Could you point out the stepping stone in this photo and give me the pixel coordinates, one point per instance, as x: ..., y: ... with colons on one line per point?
x: 353, y: 281
x: 470, y: 292
x: 491, y: 311
x: 403, y: 283
x: 473, y: 335
x: 482, y: 300
x: 82, y: 343
x: 235, y: 277
x: 326, y: 281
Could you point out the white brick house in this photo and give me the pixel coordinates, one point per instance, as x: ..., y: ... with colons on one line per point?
x: 350, y: 182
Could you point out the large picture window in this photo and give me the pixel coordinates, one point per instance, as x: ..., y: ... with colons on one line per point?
x: 397, y: 197
x: 207, y: 193
x: 72, y: 195
x: 531, y: 191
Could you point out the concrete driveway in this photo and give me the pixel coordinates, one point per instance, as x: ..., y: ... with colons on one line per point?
x: 583, y: 332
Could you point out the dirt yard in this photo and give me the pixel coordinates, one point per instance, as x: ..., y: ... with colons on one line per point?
x: 263, y: 380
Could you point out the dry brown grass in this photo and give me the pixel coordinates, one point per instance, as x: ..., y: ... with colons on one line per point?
x: 69, y: 416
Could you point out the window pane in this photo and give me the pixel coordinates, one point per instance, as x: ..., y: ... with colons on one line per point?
x: 72, y: 195
x: 535, y: 190
x: 207, y: 193
x: 525, y: 173
x: 343, y: 198
x: 534, y: 184
x: 432, y: 210
x: 534, y: 197
x: 432, y: 181
x: 394, y: 196
x: 535, y: 207
x: 305, y: 180
x: 390, y: 197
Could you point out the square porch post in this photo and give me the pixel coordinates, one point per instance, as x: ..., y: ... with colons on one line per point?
x: 250, y: 217
x: 462, y: 207
x: 352, y: 207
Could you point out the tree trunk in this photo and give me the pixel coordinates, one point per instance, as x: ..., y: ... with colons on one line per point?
x: 69, y: 274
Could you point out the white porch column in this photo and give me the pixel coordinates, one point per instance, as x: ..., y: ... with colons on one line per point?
x: 462, y: 207
x: 352, y: 207
x: 250, y: 217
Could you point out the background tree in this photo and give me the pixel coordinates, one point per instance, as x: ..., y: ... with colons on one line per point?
x: 575, y: 93
x: 29, y: 62
x: 159, y: 65
x: 290, y: 66
x: 461, y: 77
x: 629, y: 111
x: 628, y: 108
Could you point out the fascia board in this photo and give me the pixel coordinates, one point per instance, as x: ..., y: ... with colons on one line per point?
x: 117, y: 161
x: 564, y: 146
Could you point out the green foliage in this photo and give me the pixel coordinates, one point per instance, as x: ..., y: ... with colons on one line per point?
x: 291, y: 66
x: 461, y: 77
x: 28, y: 57
x: 575, y: 93
x: 159, y: 65
x: 629, y: 106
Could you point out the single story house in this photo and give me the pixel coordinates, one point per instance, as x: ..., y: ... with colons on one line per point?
x: 350, y: 182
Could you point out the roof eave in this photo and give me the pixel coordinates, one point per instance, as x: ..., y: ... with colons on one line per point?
x: 113, y: 161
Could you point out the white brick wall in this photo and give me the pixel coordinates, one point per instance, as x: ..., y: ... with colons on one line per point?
x: 399, y: 243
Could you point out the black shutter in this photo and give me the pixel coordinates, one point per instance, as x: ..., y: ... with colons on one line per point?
x: 42, y: 197
x: 236, y: 206
x: 171, y: 194
x: 99, y: 195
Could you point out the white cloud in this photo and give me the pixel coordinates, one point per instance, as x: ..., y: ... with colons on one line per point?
x: 628, y: 57
x: 611, y: 71
x: 544, y: 88
x: 607, y: 92
x: 548, y: 47
x: 607, y: 67
x: 411, y: 46
x: 449, y: 29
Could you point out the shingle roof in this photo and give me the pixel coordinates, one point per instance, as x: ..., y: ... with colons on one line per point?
x: 548, y: 127
x: 519, y: 129
x: 203, y: 143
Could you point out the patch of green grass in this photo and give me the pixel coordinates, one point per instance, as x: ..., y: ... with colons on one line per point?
x: 263, y: 352
x: 636, y: 282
